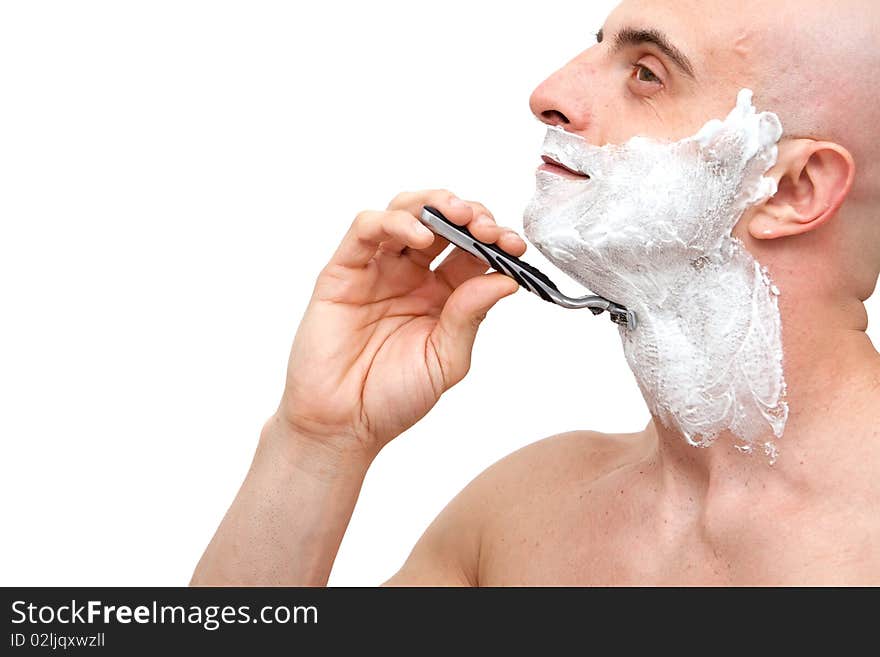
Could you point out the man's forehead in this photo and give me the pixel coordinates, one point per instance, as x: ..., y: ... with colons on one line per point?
x: 700, y: 28
x: 696, y: 16
x: 728, y: 44
x: 710, y: 26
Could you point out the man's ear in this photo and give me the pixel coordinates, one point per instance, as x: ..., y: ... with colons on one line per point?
x: 814, y: 178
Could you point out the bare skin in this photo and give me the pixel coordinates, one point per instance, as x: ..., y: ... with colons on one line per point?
x: 384, y: 337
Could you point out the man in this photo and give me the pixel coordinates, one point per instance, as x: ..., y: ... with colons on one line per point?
x: 384, y: 337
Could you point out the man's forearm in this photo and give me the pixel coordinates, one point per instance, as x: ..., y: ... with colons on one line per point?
x: 289, y: 517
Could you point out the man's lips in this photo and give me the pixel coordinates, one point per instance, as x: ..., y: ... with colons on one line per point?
x: 552, y: 166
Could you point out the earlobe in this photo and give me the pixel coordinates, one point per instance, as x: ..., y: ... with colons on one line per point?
x: 813, y: 179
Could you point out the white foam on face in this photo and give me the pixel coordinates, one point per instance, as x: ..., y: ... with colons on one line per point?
x: 651, y: 230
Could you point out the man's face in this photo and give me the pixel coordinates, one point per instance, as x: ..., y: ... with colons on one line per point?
x: 648, y: 224
x: 662, y: 69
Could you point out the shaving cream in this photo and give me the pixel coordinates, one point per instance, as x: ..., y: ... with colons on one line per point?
x: 650, y: 229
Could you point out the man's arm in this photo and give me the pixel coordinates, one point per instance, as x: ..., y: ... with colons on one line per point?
x: 288, y: 519
x: 384, y: 336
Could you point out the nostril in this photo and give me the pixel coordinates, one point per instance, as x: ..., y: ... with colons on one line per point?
x: 554, y: 117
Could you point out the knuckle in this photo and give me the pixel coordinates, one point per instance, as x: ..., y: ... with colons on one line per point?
x: 479, y: 209
x: 401, y: 200
x: 398, y: 217
x: 364, y: 222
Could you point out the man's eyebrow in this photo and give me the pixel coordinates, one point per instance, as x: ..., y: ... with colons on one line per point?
x: 630, y: 36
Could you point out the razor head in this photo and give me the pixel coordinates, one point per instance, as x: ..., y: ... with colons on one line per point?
x: 623, y: 317
x: 598, y: 305
x: 528, y: 277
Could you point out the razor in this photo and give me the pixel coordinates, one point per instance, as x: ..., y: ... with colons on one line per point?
x: 529, y: 277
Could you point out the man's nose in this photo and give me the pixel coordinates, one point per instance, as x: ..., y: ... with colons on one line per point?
x: 562, y: 99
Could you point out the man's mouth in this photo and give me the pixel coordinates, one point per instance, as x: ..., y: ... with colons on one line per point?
x: 557, y: 168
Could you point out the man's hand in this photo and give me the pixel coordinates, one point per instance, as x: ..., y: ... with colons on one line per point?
x: 384, y: 336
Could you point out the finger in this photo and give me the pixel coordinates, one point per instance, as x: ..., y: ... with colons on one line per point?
x: 453, y: 208
x: 484, y: 228
x: 460, y: 266
x: 488, y: 231
x: 392, y: 247
x: 472, y: 214
x: 483, y: 225
x: 453, y: 337
x: 371, y: 229
x: 512, y: 243
x: 480, y: 209
x: 424, y: 257
x: 505, y: 238
x: 477, y: 217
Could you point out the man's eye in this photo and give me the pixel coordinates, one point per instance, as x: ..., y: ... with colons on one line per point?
x: 644, y: 74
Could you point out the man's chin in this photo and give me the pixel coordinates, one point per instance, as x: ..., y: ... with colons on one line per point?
x: 549, y: 233
x: 541, y: 219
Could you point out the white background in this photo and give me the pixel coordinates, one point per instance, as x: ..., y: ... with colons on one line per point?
x: 173, y: 175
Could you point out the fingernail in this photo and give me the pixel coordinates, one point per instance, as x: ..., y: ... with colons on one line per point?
x: 484, y: 218
x: 421, y: 229
x: 457, y: 202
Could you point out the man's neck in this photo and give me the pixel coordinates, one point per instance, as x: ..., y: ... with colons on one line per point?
x: 831, y: 438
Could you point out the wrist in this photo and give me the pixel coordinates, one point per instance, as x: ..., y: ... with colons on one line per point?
x: 321, y: 457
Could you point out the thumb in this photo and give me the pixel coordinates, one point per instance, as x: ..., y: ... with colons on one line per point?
x: 453, y: 337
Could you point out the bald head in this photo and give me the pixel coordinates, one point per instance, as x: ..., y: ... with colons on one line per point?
x: 815, y: 68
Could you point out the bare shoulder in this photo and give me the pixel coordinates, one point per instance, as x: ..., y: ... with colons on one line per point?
x: 449, y: 551
x: 546, y: 465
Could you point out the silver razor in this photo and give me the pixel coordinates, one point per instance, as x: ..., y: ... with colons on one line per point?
x: 523, y: 273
